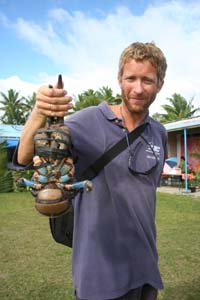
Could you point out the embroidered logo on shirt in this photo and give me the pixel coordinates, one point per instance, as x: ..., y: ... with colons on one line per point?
x: 152, y: 151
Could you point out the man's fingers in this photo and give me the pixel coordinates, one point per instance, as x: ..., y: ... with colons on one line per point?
x: 50, y: 91
x: 54, y: 107
x: 53, y: 95
x: 51, y: 107
x: 54, y: 100
x: 51, y: 101
x: 51, y: 113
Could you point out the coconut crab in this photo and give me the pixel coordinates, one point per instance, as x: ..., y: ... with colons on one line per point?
x: 53, y: 184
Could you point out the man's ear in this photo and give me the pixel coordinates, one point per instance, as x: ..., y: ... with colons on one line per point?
x: 160, y: 85
x: 120, y: 81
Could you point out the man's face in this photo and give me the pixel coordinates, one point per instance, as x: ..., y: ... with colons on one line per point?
x: 139, y: 86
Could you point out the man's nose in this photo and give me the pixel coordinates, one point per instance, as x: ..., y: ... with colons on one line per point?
x: 138, y: 86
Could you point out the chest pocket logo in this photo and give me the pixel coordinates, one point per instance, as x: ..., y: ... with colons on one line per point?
x: 143, y: 157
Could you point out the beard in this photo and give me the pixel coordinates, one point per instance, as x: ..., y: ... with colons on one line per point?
x: 139, y: 107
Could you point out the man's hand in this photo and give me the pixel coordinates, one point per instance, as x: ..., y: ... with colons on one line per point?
x: 52, y: 102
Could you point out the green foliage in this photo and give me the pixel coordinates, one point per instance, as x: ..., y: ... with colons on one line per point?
x: 6, y: 182
x: 16, y: 109
x: 12, y: 107
x: 3, y: 157
x: 28, y: 104
x: 93, y: 98
x: 178, y: 109
x: 22, y: 174
x: 6, y: 176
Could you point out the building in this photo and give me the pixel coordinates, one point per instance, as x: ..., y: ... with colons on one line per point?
x: 184, y: 145
x: 184, y: 142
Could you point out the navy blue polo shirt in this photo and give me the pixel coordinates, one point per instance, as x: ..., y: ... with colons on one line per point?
x: 114, y: 246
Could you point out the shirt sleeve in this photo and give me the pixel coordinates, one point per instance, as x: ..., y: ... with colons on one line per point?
x: 15, y: 166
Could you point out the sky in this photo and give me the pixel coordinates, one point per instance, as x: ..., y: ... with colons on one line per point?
x: 83, y: 39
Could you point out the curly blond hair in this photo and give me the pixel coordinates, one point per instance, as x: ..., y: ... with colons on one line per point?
x: 144, y: 51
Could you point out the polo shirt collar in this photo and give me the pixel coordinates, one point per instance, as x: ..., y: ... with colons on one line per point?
x: 105, y: 109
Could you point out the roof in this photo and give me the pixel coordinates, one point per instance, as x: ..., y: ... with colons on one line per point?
x: 10, y: 133
x: 182, y: 124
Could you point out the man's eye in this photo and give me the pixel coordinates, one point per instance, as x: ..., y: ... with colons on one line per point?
x: 130, y: 79
x: 148, y: 81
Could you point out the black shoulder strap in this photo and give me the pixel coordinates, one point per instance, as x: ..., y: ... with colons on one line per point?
x: 102, y: 161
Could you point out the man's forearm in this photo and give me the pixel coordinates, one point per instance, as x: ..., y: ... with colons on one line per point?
x: 26, y: 145
x: 50, y: 102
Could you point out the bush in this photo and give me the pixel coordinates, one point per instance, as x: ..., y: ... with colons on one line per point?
x: 6, y: 176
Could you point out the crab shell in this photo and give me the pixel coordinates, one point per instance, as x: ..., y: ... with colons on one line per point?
x: 52, y: 201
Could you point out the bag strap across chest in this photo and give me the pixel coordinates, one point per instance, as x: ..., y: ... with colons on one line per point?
x: 93, y: 170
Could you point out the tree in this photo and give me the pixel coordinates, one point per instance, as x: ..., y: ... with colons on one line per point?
x: 178, y: 110
x: 85, y: 99
x: 93, y: 98
x: 28, y: 104
x: 106, y: 94
x: 6, y: 176
x: 12, y: 107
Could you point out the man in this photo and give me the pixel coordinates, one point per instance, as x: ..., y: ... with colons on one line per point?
x: 114, y: 244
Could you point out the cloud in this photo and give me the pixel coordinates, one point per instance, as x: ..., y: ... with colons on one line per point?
x: 43, y: 39
x: 24, y: 88
x: 89, y: 47
x: 17, y: 84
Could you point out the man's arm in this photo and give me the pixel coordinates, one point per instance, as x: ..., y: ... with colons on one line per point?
x: 26, y: 145
x: 49, y: 102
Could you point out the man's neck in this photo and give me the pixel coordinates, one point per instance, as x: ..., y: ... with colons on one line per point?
x: 130, y: 120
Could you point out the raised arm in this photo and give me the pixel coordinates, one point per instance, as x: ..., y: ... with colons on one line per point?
x: 49, y: 102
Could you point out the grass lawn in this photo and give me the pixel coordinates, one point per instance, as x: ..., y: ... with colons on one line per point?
x: 34, y: 267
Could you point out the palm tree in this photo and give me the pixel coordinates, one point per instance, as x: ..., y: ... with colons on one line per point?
x: 106, y: 94
x: 85, y: 99
x: 28, y: 104
x: 178, y: 110
x: 93, y: 98
x: 6, y: 176
x: 12, y: 107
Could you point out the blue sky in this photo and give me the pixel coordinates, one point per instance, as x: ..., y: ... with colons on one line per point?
x: 83, y: 41
x: 18, y: 56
